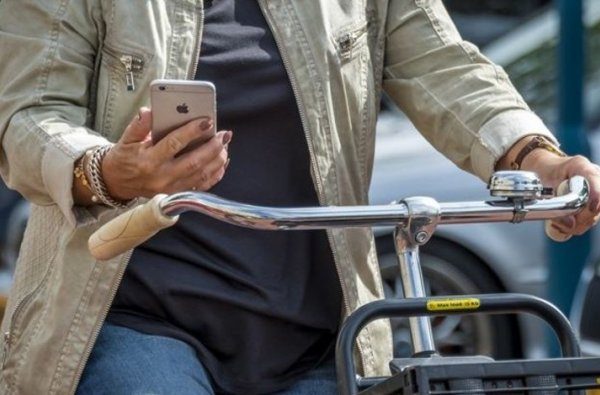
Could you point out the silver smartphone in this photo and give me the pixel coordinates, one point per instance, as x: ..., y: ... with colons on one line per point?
x: 177, y: 102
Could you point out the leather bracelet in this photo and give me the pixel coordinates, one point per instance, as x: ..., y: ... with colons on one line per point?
x: 93, y: 169
x: 535, y: 143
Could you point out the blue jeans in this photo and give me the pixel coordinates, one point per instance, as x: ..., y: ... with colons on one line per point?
x: 127, y: 362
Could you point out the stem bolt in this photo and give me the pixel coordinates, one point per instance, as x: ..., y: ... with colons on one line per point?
x: 421, y: 237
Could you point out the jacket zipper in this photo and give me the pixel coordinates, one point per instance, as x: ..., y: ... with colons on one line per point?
x: 284, y: 58
x: 347, y: 41
x: 318, y: 181
x: 6, y: 348
x: 88, y: 348
x: 14, y: 315
x: 131, y: 63
x: 194, y: 69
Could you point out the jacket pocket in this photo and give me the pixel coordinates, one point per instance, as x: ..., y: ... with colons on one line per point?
x: 121, y: 82
x: 355, y: 75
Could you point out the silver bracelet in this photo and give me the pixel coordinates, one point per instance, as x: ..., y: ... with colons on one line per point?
x: 93, y: 170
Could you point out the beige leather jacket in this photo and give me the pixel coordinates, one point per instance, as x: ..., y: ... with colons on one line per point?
x: 63, y: 90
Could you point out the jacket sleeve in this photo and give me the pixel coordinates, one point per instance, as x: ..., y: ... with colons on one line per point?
x: 48, y: 52
x: 462, y: 103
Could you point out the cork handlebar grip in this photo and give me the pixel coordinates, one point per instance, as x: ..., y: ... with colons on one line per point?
x: 129, y: 229
x: 552, y: 232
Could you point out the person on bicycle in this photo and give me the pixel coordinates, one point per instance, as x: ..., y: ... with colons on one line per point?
x: 205, y: 307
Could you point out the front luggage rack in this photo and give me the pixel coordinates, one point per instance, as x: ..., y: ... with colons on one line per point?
x: 436, y: 375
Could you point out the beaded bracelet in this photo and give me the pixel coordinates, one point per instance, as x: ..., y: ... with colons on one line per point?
x: 79, y: 174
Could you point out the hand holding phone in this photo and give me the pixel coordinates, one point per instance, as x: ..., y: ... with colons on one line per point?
x: 185, y: 111
x: 136, y: 168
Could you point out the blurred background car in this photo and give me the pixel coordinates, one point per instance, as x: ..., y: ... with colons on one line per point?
x: 520, y: 35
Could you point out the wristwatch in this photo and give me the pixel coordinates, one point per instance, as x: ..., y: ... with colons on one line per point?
x: 535, y: 143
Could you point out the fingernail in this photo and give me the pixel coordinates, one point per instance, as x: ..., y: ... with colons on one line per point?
x: 205, y: 124
x: 567, y: 222
x: 227, y: 137
x: 593, y: 205
x: 139, y: 116
x: 560, y: 235
x: 557, y: 228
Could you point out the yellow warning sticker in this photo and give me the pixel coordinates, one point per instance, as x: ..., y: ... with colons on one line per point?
x: 596, y: 391
x: 453, y: 304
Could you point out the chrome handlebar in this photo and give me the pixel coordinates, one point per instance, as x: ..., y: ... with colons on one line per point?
x: 271, y: 218
x: 417, y: 216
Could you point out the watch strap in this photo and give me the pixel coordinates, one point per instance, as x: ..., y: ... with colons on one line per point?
x: 535, y: 143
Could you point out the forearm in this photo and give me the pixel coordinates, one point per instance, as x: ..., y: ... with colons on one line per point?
x: 458, y: 99
x: 45, y: 98
x: 466, y: 106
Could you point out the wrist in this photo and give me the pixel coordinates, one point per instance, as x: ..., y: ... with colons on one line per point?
x: 547, y: 165
x: 81, y: 189
x: 523, y: 149
x: 110, y: 175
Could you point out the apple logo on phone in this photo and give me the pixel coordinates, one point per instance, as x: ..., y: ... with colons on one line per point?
x: 183, y: 108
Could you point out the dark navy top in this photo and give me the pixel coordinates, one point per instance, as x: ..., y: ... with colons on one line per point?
x: 260, y: 307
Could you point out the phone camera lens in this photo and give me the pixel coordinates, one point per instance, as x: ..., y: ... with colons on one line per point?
x: 161, y: 88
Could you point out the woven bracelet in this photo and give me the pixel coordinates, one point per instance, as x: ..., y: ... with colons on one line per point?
x: 94, y: 172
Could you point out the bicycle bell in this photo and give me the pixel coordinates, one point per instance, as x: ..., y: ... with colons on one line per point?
x: 511, y: 184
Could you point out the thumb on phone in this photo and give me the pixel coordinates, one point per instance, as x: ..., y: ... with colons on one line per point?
x: 139, y: 128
